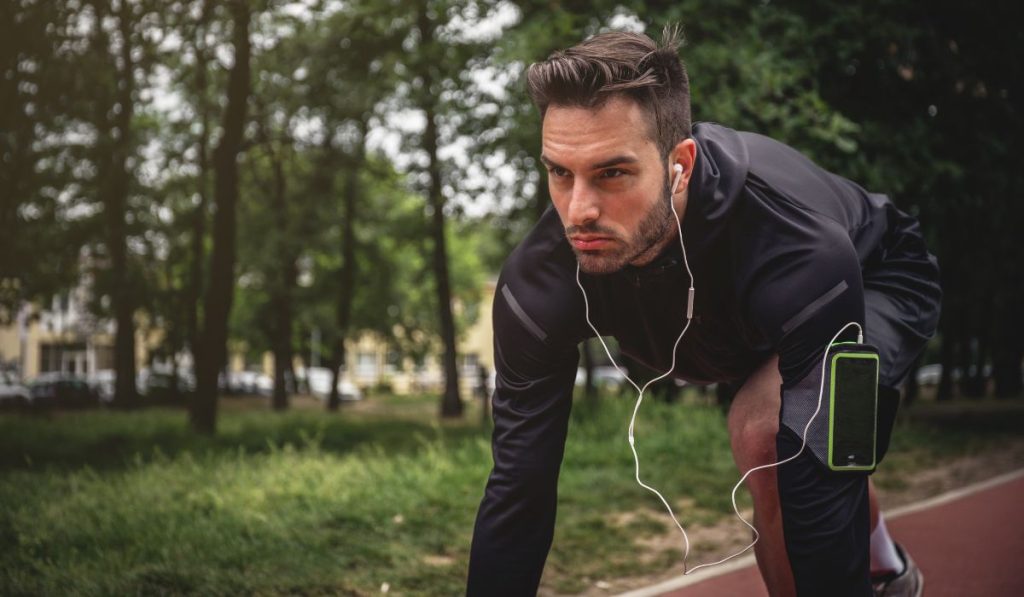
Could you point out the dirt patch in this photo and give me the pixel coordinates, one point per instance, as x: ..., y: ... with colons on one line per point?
x: 962, y: 471
x: 709, y: 543
x: 434, y: 560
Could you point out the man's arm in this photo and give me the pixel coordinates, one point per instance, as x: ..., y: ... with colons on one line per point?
x: 535, y: 373
x: 801, y: 284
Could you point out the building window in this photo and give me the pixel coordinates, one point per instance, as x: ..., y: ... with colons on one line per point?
x: 48, y: 358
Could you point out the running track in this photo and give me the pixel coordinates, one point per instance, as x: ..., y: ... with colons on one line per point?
x: 968, y: 542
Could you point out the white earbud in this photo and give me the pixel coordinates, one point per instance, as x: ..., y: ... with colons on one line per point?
x: 678, y: 169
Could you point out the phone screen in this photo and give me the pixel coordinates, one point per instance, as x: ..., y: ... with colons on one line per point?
x: 854, y: 406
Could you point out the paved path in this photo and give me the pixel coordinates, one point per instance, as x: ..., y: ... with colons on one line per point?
x: 967, y: 542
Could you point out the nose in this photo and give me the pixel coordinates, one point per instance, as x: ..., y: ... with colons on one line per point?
x: 583, y: 204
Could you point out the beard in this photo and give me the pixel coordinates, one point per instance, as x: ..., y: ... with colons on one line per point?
x: 654, y: 227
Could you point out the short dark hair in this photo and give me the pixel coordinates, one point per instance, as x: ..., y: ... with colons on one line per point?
x: 618, y: 64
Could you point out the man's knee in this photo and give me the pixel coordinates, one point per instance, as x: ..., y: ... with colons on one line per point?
x: 753, y: 420
x: 753, y: 441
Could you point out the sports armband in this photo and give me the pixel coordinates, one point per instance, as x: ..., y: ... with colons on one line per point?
x: 852, y: 394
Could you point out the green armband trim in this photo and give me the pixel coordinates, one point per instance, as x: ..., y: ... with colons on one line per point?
x: 853, y: 407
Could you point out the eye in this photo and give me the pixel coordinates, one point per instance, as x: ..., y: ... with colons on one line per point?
x: 612, y: 173
x: 558, y: 171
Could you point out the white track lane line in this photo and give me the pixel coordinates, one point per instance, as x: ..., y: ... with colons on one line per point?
x: 740, y: 563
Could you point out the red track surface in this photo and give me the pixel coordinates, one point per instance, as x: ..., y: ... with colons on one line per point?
x: 970, y: 546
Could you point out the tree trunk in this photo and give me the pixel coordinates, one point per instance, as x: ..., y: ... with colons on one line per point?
x: 951, y: 312
x: 451, y: 402
x: 973, y: 381
x: 283, y: 338
x: 281, y: 297
x: 912, y: 389
x: 979, y: 380
x: 195, y: 288
x: 483, y: 377
x: 220, y: 289
x: 283, y: 272
x: 175, y: 381
x: 346, y: 288
x: 968, y: 353
x: 1008, y: 351
x: 589, y: 387
x: 322, y: 189
x: 946, y: 359
x: 116, y: 207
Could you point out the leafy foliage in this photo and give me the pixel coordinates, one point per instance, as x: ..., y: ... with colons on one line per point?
x: 921, y: 105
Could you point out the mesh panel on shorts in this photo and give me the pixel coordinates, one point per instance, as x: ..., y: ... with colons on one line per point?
x: 798, y: 405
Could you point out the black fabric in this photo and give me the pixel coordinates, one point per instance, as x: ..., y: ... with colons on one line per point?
x: 783, y: 254
x: 826, y: 523
x: 825, y: 513
x: 888, y: 404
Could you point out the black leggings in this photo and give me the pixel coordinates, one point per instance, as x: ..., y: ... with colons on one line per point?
x: 825, y: 515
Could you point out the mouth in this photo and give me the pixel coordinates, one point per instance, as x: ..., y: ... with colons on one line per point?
x: 589, y: 242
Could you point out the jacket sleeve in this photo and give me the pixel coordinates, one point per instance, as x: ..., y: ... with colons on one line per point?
x: 800, y: 283
x: 535, y: 366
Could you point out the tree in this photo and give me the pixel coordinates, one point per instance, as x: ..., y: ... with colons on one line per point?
x: 278, y: 226
x: 37, y: 161
x: 213, y: 355
x: 199, y: 86
x: 437, y: 65
x: 347, y: 87
x: 281, y: 269
x: 116, y: 148
x: 936, y: 98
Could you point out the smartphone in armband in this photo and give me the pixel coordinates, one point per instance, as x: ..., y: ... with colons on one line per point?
x: 852, y: 379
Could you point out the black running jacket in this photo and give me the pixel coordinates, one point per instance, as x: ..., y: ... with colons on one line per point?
x: 782, y: 253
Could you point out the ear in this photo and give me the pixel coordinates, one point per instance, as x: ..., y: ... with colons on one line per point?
x: 684, y: 154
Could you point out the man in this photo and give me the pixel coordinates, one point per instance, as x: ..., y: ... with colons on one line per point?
x: 783, y: 255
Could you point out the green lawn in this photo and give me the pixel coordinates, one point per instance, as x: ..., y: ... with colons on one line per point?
x: 116, y: 503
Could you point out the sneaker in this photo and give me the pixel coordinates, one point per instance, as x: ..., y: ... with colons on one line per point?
x: 909, y: 583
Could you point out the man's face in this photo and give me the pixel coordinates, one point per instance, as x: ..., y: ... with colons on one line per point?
x: 608, y: 184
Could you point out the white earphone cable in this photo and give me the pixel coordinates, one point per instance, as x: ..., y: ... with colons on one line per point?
x: 675, y: 347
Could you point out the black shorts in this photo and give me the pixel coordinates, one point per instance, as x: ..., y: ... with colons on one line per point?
x: 825, y: 513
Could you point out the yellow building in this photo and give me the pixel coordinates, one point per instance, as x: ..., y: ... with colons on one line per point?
x: 65, y: 337
x: 373, y: 364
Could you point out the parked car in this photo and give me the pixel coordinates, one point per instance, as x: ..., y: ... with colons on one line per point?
x: 157, y: 384
x: 13, y: 395
x: 929, y: 375
x: 62, y: 390
x: 159, y: 388
x: 319, y: 379
x: 242, y: 382
x: 102, y: 382
x: 604, y: 376
x: 265, y: 384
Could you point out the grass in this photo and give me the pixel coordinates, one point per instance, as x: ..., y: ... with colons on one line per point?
x: 275, y: 505
x: 115, y: 503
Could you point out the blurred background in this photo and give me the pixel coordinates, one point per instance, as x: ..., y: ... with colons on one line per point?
x: 219, y: 218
